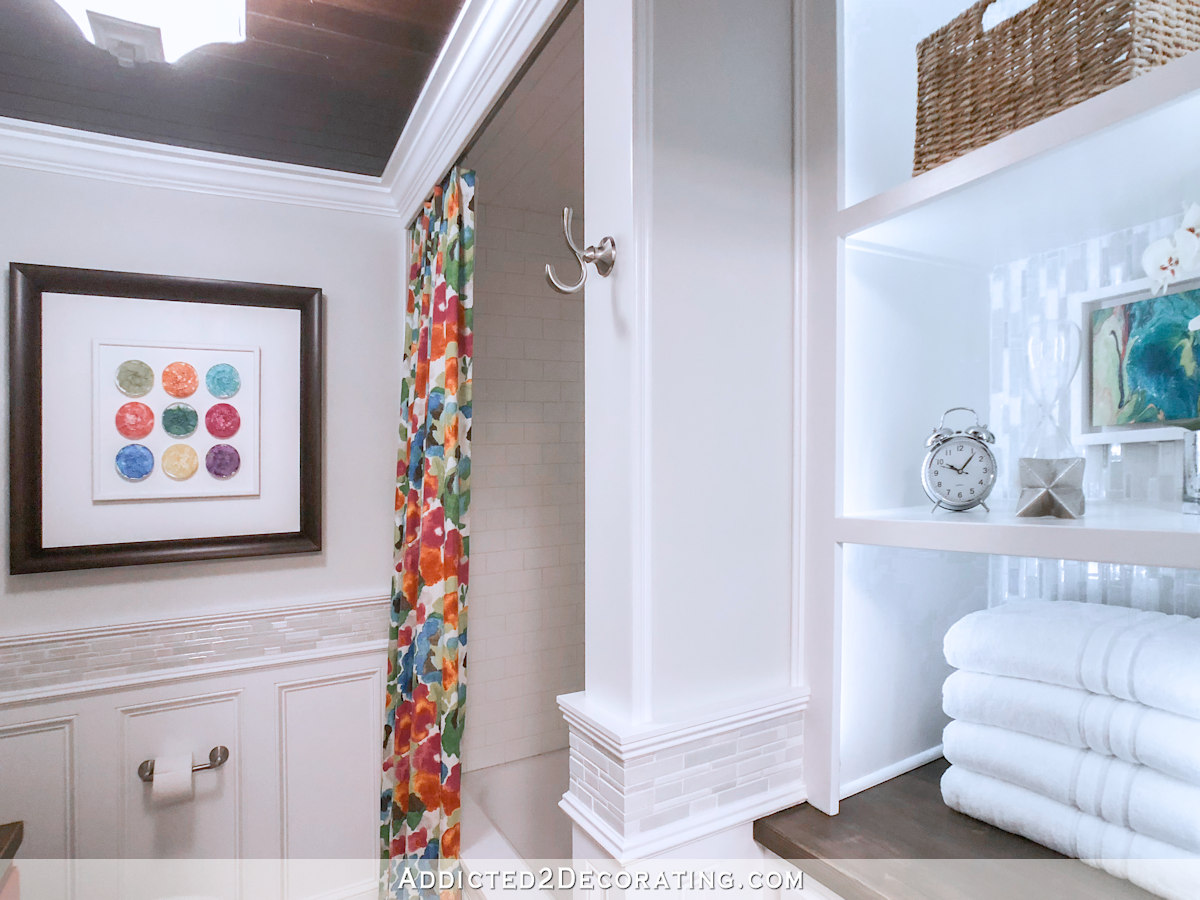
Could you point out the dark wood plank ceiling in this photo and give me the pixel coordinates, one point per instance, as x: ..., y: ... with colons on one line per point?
x: 325, y: 83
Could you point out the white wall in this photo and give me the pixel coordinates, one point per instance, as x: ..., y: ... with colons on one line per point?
x: 902, y: 318
x: 720, y: 334
x: 879, y: 70
x: 356, y: 258
x: 897, y: 606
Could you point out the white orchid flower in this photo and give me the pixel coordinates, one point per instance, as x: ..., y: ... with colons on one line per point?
x: 1161, y: 262
x: 1187, y: 238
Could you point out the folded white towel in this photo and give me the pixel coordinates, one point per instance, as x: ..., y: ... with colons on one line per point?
x: 1131, y: 654
x: 1129, y: 731
x: 1133, y: 797
x: 1160, y: 868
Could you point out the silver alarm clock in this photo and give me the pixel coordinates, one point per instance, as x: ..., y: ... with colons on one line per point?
x: 959, y: 470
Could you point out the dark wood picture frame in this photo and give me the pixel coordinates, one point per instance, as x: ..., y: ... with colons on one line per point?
x: 27, y: 283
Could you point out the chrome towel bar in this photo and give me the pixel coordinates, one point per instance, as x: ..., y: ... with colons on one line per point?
x: 217, y: 757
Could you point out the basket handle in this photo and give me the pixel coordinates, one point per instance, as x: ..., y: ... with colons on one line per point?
x: 979, y: 11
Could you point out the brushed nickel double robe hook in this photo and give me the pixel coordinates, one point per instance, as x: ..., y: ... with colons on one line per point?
x: 603, y: 257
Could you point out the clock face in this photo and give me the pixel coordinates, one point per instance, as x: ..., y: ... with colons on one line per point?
x: 959, y: 473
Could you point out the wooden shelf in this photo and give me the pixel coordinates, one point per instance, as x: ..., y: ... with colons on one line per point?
x: 1053, y: 183
x: 1110, y: 532
x: 899, y: 841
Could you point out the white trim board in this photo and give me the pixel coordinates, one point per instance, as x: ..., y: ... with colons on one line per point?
x: 484, y: 50
x: 668, y: 837
x: 887, y: 773
x: 625, y: 742
x: 488, y: 45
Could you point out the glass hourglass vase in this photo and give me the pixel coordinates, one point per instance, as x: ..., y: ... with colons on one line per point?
x: 1051, y: 471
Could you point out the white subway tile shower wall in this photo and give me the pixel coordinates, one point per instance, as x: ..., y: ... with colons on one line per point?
x: 1149, y: 472
x: 525, y: 637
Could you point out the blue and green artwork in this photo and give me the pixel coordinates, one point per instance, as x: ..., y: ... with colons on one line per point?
x: 1146, y: 361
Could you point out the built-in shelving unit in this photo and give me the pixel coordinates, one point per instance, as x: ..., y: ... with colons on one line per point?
x: 1138, y: 534
x: 1124, y: 156
x: 902, y: 268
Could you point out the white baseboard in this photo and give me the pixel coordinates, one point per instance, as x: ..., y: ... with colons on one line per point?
x: 887, y: 773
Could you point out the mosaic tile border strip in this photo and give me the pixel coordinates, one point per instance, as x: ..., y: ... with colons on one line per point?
x: 68, y: 657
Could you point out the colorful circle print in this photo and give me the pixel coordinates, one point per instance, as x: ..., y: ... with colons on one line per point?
x: 223, y: 381
x: 135, y: 420
x: 179, y: 420
x: 223, y: 421
x: 135, y: 462
x: 223, y: 461
x: 180, y: 462
x: 134, y: 378
x: 179, y: 379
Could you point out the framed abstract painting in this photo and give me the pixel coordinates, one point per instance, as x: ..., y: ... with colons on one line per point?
x: 155, y: 419
x: 1141, y: 365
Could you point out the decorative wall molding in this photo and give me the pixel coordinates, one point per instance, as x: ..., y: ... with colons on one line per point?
x: 159, y: 707
x: 68, y: 151
x: 648, y: 789
x: 40, y: 667
x: 369, y: 678
x: 486, y: 48
x: 65, y: 725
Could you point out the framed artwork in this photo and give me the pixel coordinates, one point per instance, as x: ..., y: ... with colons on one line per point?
x: 155, y: 419
x: 1141, y: 365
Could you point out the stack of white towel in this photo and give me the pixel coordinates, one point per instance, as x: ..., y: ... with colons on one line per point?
x: 1078, y: 726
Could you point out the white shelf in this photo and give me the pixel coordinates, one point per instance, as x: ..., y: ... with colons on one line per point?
x: 1110, y: 532
x: 1126, y: 156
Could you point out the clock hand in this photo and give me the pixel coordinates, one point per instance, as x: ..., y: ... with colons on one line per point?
x: 967, y: 463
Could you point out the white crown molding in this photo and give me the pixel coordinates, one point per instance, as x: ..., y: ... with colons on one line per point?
x: 67, y: 151
x: 226, y: 618
x: 487, y: 46
x: 624, y: 742
x: 627, y: 848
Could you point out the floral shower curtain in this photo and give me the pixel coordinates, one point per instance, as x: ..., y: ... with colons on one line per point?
x: 426, y: 689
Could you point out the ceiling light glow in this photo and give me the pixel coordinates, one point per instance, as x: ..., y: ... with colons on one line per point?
x: 183, y: 24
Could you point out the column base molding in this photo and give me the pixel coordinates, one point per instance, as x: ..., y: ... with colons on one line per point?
x: 638, y: 791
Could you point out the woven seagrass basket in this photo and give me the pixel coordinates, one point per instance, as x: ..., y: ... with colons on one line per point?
x: 974, y: 87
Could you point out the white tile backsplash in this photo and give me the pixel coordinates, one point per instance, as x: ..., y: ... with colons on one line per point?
x: 1149, y: 472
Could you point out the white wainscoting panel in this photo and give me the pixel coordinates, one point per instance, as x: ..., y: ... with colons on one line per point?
x: 41, y: 795
x: 303, y: 727
x: 207, y: 825
x: 330, y: 752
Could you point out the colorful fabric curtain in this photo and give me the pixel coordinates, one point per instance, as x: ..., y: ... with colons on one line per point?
x: 426, y: 687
